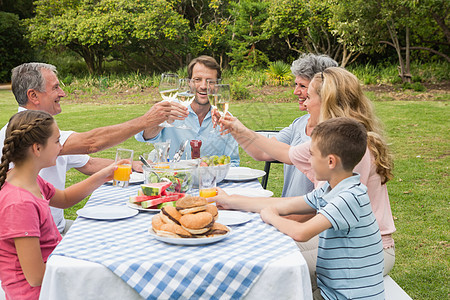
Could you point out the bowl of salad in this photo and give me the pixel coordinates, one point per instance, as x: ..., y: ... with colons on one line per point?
x: 180, y: 174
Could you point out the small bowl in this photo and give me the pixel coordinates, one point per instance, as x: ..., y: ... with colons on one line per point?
x: 181, y: 174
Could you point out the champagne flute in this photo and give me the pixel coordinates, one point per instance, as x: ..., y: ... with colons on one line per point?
x: 168, y: 88
x: 186, y: 94
x: 219, y: 96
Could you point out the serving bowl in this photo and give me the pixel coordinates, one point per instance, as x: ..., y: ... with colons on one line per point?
x: 181, y: 174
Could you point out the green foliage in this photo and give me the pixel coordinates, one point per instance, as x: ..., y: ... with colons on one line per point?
x: 183, y: 72
x: 368, y: 26
x: 279, y: 73
x: 248, y: 77
x: 304, y: 26
x: 248, y: 33
x: 239, y: 92
x: 14, y: 49
x: 416, y: 86
x: 22, y: 8
x: 383, y: 73
x: 96, y: 30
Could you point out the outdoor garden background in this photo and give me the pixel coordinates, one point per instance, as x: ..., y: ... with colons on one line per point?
x: 110, y: 54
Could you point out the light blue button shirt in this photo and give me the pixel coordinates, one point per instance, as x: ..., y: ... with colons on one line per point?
x: 212, y: 143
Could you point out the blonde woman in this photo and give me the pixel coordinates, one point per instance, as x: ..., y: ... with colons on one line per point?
x: 335, y: 92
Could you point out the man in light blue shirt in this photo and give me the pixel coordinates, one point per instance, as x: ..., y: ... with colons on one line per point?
x: 199, y: 119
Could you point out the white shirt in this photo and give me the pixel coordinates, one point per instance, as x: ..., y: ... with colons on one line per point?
x: 56, y: 175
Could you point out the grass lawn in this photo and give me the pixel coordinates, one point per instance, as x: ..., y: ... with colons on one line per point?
x: 418, y: 132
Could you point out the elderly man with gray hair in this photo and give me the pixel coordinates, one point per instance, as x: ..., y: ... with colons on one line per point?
x: 36, y: 87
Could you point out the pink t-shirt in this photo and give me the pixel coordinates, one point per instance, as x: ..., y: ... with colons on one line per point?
x: 21, y: 215
x: 378, y: 194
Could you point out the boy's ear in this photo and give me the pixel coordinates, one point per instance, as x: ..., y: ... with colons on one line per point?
x: 333, y: 161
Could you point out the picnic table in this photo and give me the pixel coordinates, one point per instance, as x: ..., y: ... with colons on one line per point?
x: 120, y: 259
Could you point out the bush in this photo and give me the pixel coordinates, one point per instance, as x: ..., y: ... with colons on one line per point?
x: 416, y: 86
x: 396, y: 80
x: 239, y: 92
x: 279, y: 73
x: 370, y: 79
x: 14, y: 48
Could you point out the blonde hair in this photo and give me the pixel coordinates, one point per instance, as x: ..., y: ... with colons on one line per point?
x: 25, y: 129
x: 342, y: 96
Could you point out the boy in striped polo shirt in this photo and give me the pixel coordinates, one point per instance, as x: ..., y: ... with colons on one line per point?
x: 350, y: 255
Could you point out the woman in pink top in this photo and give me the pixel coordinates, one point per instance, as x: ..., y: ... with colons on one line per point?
x: 27, y: 232
x: 333, y: 93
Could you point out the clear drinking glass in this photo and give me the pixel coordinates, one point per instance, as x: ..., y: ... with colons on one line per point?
x: 207, y: 181
x: 168, y: 88
x: 219, y: 96
x: 162, y: 151
x: 186, y: 94
x: 122, y: 174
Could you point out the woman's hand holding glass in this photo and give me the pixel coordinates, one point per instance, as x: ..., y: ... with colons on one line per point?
x: 230, y: 124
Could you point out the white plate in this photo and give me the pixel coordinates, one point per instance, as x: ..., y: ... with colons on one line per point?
x: 243, y: 173
x: 249, y: 192
x: 135, y: 177
x: 105, y: 212
x: 138, y: 207
x: 232, y: 217
x: 189, y: 241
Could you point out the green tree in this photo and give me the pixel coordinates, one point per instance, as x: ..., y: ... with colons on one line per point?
x: 305, y: 27
x: 97, y: 29
x: 14, y: 49
x: 367, y: 24
x: 210, y: 27
x: 248, y: 18
x: 22, y: 8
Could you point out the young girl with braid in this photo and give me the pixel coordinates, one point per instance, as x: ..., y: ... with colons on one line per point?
x: 27, y: 232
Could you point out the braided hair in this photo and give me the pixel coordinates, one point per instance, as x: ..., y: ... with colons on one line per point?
x: 24, y: 129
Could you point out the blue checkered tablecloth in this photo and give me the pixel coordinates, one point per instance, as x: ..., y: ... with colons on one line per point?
x: 225, y: 269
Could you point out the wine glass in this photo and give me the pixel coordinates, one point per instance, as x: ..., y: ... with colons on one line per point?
x: 219, y: 96
x: 186, y: 94
x: 168, y: 88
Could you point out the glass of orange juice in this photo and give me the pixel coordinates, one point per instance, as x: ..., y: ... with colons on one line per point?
x: 122, y: 174
x: 207, y: 181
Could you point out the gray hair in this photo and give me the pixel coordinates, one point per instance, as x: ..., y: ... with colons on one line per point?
x: 309, y: 64
x: 28, y: 76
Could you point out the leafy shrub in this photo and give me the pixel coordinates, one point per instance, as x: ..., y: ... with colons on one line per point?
x: 67, y: 80
x: 14, y: 49
x: 416, y: 86
x: 182, y: 72
x: 370, y: 79
x: 239, y: 92
x: 396, y: 80
x: 279, y: 73
x: 416, y: 78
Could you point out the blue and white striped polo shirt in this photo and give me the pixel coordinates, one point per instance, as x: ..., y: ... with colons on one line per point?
x: 350, y: 256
